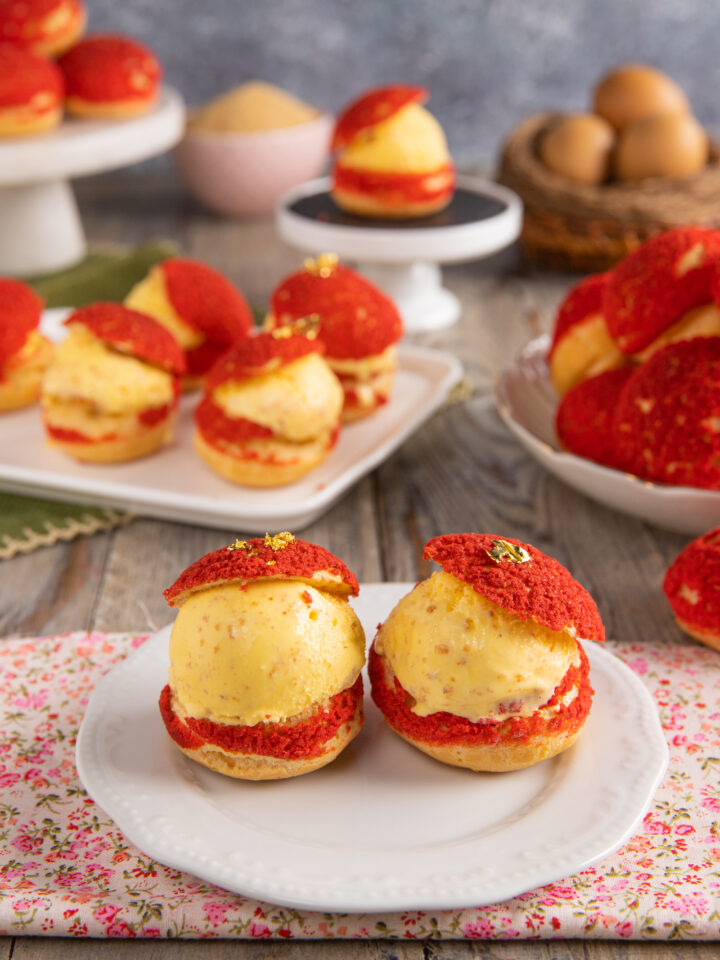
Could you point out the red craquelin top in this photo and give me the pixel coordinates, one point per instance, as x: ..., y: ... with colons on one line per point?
x: 110, y: 67
x: 541, y: 590
x: 664, y: 416
x: 258, y: 561
x: 207, y: 301
x: 371, y: 108
x: 584, y: 300
x: 259, y: 355
x: 584, y: 418
x: 132, y: 332
x: 645, y: 294
x: 22, y: 23
x: 23, y: 76
x: 356, y: 319
x: 697, y: 570
x: 20, y: 309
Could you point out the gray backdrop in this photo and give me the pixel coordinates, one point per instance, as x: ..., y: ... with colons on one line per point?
x: 486, y: 62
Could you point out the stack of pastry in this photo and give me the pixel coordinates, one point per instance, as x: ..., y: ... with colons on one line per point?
x: 636, y: 355
x: 595, y: 185
x: 105, y: 76
x: 24, y: 353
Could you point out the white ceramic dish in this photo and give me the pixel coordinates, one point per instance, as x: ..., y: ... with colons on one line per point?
x: 174, y: 484
x: 384, y: 827
x: 526, y: 400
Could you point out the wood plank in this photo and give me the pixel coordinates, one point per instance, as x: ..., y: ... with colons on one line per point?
x: 6, y: 946
x: 53, y: 589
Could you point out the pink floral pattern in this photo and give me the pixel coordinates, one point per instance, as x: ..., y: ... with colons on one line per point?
x: 65, y: 868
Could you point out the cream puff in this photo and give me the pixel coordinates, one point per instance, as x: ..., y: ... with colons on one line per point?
x: 692, y: 587
x: 584, y: 421
x: 271, y: 410
x: 581, y: 344
x: 265, y: 659
x: 203, y: 310
x: 358, y: 324
x: 46, y: 28
x: 111, y: 392
x: 479, y: 666
x: 391, y: 156
x: 24, y: 353
x: 31, y: 92
x: 108, y: 76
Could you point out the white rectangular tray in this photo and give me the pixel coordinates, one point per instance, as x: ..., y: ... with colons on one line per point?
x: 174, y: 484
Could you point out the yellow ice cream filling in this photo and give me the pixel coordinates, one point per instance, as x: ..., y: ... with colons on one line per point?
x: 300, y: 401
x: 410, y: 141
x: 251, y: 108
x: 366, y: 367
x: 150, y: 297
x: 263, y: 652
x: 702, y: 321
x: 86, y: 370
x: 452, y: 650
x: 586, y: 350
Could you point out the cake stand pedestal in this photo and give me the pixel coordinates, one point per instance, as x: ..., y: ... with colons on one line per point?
x: 40, y: 227
x: 402, y: 256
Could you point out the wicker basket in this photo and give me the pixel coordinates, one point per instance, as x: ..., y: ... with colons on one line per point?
x: 587, y: 228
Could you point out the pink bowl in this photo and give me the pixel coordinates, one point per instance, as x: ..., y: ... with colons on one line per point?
x: 246, y: 173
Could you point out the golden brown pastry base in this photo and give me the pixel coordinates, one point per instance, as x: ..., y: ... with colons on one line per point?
x: 110, y: 109
x: 706, y: 637
x: 122, y: 449
x: 589, y: 228
x: 19, y: 122
x: 259, y: 473
x: 364, y: 206
x: 254, y: 767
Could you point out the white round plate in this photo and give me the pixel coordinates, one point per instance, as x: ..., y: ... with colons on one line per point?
x: 526, y: 400
x: 445, y: 237
x: 79, y: 147
x: 383, y: 827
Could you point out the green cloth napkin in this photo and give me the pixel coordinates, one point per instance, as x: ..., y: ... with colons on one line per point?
x: 106, y: 273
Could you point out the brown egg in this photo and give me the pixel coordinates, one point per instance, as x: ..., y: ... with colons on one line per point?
x: 674, y: 145
x: 578, y: 147
x: 634, y: 91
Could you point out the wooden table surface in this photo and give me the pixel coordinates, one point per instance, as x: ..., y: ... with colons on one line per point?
x: 463, y: 471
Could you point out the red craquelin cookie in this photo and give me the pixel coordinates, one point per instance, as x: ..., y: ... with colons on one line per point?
x: 667, y: 417
x: 20, y: 310
x: 542, y: 590
x: 45, y: 27
x: 584, y: 300
x: 692, y: 586
x: 655, y: 285
x: 29, y: 80
x: 356, y: 319
x: 110, y: 68
x: 131, y: 332
x: 260, y: 558
x: 373, y: 107
x: 584, y: 418
x: 259, y: 355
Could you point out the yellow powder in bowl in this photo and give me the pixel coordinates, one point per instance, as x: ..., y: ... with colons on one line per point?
x: 251, y: 108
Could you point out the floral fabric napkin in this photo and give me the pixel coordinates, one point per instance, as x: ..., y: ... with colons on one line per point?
x: 66, y: 869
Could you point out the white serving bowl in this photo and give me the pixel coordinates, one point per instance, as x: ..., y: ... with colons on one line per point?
x: 242, y: 174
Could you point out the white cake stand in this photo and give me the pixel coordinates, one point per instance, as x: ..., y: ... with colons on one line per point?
x: 403, y: 257
x: 40, y: 228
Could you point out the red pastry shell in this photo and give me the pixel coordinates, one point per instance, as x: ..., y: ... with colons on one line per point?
x: 541, y: 590
x: 584, y: 300
x: 258, y: 561
x: 23, y: 76
x: 667, y: 413
x: 356, y: 319
x: 25, y: 23
x: 696, y: 571
x: 371, y: 108
x: 259, y: 355
x: 645, y: 294
x: 132, y: 332
x: 107, y: 67
x: 20, y: 309
x: 584, y: 418
x: 207, y: 301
